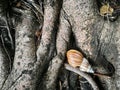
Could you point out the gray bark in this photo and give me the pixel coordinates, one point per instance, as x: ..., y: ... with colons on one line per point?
x: 4, y: 66
x: 94, y: 35
x: 23, y: 74
x: 39, y: 67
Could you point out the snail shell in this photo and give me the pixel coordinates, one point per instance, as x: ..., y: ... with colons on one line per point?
x: 76, y: 59
x: 106, y: 9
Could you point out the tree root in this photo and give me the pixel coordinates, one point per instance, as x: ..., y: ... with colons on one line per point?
x: 85, y: 75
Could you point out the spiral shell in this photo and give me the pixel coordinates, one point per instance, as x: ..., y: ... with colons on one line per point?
x: 76, y: 59
x: 85, y: 66
x: 106, y: 9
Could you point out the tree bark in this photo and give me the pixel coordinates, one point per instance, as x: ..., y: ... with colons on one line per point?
x: 38, y: 62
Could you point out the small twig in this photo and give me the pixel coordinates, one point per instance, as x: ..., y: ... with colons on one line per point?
x: 85, y: 75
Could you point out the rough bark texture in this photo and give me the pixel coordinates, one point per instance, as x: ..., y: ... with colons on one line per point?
x: 4, y: 66
x: 23, y: 74
x: 95, y: 35
x: 38, y: 63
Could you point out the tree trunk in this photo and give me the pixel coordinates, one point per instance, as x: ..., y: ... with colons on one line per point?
x: 36, y: 34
